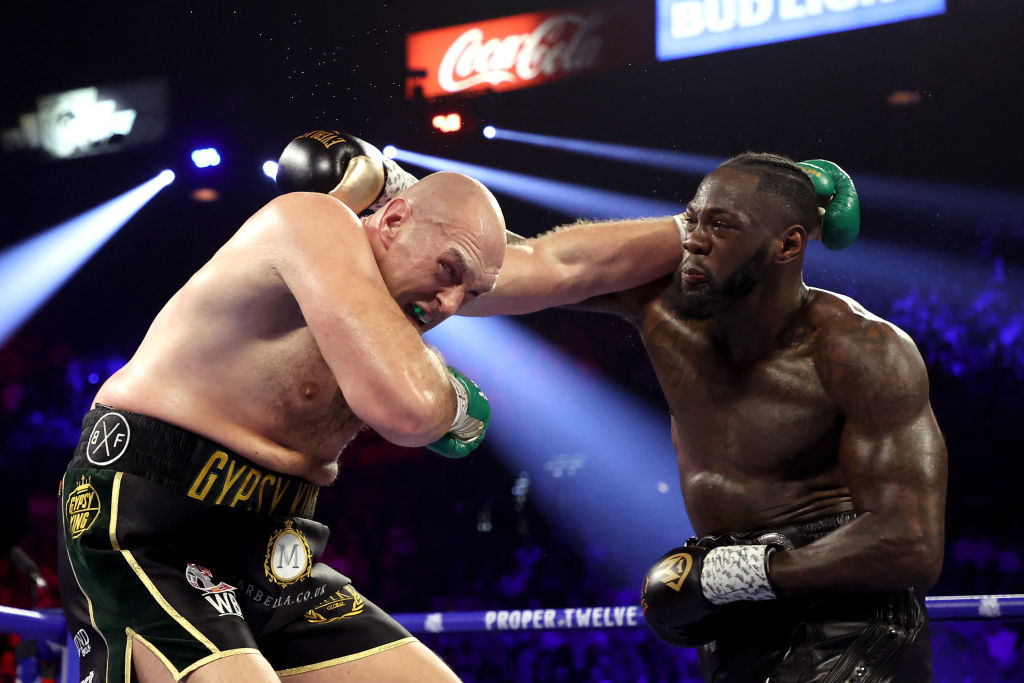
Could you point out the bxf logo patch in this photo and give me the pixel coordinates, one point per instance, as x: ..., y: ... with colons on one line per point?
x: 108, y: 440
x: 220, y: 595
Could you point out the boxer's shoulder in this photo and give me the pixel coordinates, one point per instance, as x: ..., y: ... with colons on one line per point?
x: 303, y: 240
x: 306, y: 215
x: 841, y: 323
x: 859, y: 354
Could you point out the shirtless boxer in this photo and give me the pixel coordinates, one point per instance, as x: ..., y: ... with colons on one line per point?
x: 809, y: 458
x: 189, y: 548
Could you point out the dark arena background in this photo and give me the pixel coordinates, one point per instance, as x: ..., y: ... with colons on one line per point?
x: 576, y: 493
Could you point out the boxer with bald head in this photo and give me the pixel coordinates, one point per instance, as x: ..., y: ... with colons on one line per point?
x: 304, y: 327
x: 188, y: 547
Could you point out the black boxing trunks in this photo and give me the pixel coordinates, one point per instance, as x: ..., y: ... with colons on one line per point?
x: 176, y: 542
x: 865, y: 638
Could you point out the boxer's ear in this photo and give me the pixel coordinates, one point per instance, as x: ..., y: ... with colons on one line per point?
x: 393, y: 218
x: 790, y: 243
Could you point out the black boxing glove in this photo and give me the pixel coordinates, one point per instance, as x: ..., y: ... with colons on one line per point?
x: 682, y: 592
x: 342, y: 165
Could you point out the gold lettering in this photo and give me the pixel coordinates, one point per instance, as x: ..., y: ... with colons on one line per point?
x: 242, y: 493
x: 79, y: 502
x: 317, y: 134
x: 279, y: 493
x: 301, y: 499
x: 332, y: 143
x: 194, y: 491
x: 77, y: 523
x: 329, y: 138
x: 263, y: 482
x: 231, y: 479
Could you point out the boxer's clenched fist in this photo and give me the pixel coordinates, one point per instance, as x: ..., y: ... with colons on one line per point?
x: 342, y: 165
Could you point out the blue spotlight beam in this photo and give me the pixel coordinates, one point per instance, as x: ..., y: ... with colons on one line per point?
x: 31, y: 271
x: 601, y: 464
x: 914, y: 196
x: 941, y: 200
x: 887, y: 269
x: 696, y: 164
x: 568, y: 198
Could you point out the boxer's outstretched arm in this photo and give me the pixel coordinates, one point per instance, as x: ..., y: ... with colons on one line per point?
x: 894, y: 459
x: 577, y: 262
x: 388, y: 376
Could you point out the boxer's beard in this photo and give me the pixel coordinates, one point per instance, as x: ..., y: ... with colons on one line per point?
x: 706, y: 302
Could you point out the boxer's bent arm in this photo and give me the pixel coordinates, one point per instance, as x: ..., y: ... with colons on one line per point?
x: 388, y: 376
x: 894, y: 460
x: 573, y: 263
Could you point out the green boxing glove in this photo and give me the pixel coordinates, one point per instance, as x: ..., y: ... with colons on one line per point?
x: 471, y: 419
x: 841, y: 223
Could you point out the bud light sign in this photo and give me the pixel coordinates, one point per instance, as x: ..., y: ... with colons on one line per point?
x: 696, y: 27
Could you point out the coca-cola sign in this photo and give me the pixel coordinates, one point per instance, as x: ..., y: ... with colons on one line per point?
x: 527, y: 49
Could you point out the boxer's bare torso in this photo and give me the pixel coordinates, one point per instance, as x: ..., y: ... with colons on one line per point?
x: 756, y: 441
x: 828, y: 415
x: 230, y: 357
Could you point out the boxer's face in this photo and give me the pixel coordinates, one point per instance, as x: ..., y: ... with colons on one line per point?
x: 725, y: 247
x: 436, y: 267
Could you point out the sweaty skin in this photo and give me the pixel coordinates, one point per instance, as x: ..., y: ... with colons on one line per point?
x: 788, y: 403
x: 298, y: 330
x: 303, y: 326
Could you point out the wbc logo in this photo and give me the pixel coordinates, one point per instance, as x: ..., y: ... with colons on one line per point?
x: 220, y: 595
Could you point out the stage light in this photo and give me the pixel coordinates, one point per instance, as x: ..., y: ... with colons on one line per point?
x: 911, y: 196
x: 31, y: 271
x: 390, y: 151
x: 447, y: 123
x: 877, y: 269
x: 573, y: 200
x: 205, y: 195
x: 206, y: 157
x: 490, y: 132
x: 577, y: 440
x: 270, y: 169
x: 904, y: 98
x: 697, y: 164
x: 948, y: 200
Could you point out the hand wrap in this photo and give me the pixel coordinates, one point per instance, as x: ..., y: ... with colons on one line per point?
x: 472, y: 416
x: 683, y: 591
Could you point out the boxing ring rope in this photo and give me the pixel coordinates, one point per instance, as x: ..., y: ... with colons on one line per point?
x: 940, y: 608
x: 47, y: 627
